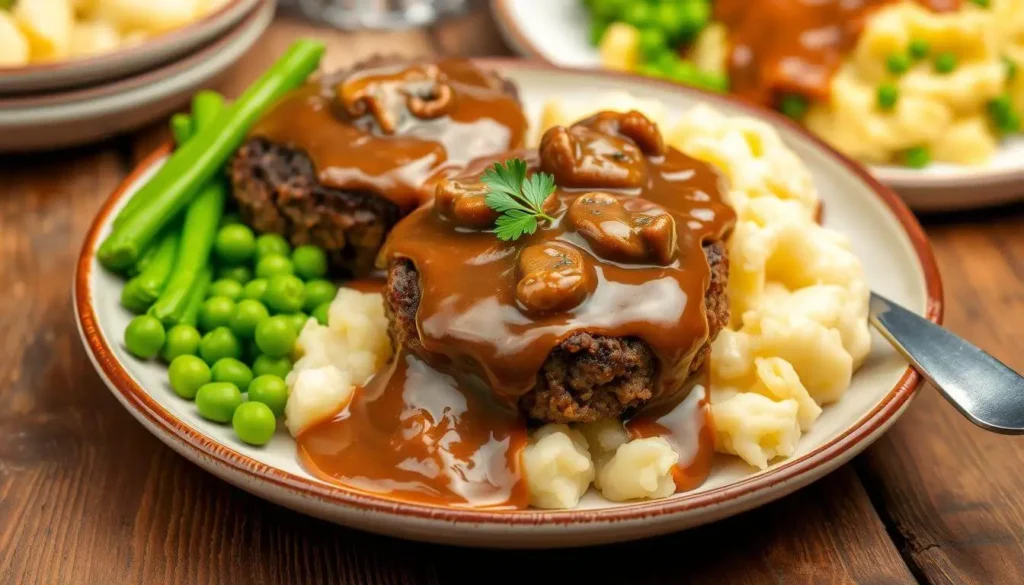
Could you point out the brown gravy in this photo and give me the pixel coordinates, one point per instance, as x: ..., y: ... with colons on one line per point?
x: 622, y: 256
x: 782, y: 47
x: 389, y: 129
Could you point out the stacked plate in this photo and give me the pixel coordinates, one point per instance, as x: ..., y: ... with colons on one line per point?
x: 68, y: 103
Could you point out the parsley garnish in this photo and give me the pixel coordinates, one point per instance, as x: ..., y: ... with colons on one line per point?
x: 519, y: 200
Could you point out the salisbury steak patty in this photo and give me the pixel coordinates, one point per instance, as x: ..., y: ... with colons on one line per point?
x: 587, y: 377
x: 277, y: 192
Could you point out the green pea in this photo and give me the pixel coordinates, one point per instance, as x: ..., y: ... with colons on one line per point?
x: 232, y: 371
x: 897, y: 63
x: 319, y: 292
x: 794, y: 106
x: 917, y: 157
x: 695, y: 16
x: 652, y: 43
x: 240, y: 274
x: 276, y: 336
x: 247, y: 315
x: 669, y: 15
x: 981, y: 3
x: 215, y: 312
x: 309, y: 262
x: 219, y: 344
x: 254, y: 423
x: 274, y: 265
x: 187, y: 374
x: 225, y: 287
x: 234, y: 244
x: 217, y: 401
x: 999, y: 109
x: 610, y: 9
x: 254, y: 289
x: 919, y: 49
x: 144, y: 336
x: 181, y: 340
x: 285, y: 294
x: 598, y: 26
x: 887, y: 96
x: 298, y: 320
x: 944, y: 63
x: 264, y: 365
x: 639, y: 14
x: 1011, y: 68
x: 321, y: 313
x: 271, y: 245
x: 269, y: 390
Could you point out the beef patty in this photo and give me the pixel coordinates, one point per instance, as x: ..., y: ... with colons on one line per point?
x: 277, y: 191
x: 587, y: 377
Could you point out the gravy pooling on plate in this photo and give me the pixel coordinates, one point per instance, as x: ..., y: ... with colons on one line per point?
x: 623, y: 257
x: 780, y: 47
x: 388, y: 129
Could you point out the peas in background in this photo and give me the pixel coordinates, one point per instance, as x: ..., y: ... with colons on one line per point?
x: 652, y: 43
x: 234, y: 244
x: 239, y: 274
x: 670, y: 17
x: 1011, y: 68
x: 254, y: 423
x: 919, y: 48
x: 247, y: 315
x: 187, y: 373
x: 794, y: 106
x: 219, y: 344
x: 274, y: 265
x: 285, y: 293
x: 886, y: 96
x: 598, y: 26
x: 270, y: 390
x: 321, y: 312
x: 232, y: 371
x: 917, y: 157
x: 695, y: 16
x: 225, y: 287
x: 276, y: 336
x: 181, y: 340
x: 981, y: 3
x: 144, y: 337
x: 264, y: 365
x: 254, y: 289
x: 944, y: 63
x: 309, y: 262
x: 639, y: 14
x: 897, y: 63
x: 216, y: 312
x: 217, y: 401
x: 271, y: 244
x: 609, y: 9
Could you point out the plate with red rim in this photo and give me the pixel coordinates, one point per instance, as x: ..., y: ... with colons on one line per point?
x: 556, y: 32
x: 126, y: 60
x: 898, y: 262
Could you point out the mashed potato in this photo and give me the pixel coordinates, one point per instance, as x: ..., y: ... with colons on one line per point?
x: 798, y: 300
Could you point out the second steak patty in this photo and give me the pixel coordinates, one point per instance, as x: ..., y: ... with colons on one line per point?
x: 587, y: 377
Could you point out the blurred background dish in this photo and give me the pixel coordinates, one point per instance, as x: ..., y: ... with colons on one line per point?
x: 378, y: 14
x: 61, y: 119
x: 945, y: 134
x: 46, y: 45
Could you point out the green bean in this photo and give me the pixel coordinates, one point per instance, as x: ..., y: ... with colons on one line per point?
x: 185, y: 173
x: 200, y: 228
x: 181, y: 128
x: 144, y: 261
x: 190, y: 316
x: 140, y: 292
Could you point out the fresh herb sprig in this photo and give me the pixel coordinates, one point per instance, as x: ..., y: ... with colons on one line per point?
x: 519, y: 200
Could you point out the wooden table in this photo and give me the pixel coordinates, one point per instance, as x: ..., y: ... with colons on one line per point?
x: 88, y: 496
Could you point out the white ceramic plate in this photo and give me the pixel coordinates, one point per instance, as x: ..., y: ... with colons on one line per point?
x: 555, y: 31
x: 885, y: 235
x: 124, y: 61
x: 38, y: 122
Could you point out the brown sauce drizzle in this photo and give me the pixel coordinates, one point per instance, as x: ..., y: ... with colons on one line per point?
x: 782, y: 47
x: 623, y: 257
x: 390, y: 129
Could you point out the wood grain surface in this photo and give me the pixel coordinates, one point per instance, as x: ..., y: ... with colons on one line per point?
x: 87, y: 496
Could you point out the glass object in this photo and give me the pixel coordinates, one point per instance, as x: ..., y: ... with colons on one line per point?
x: 378, y: 14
